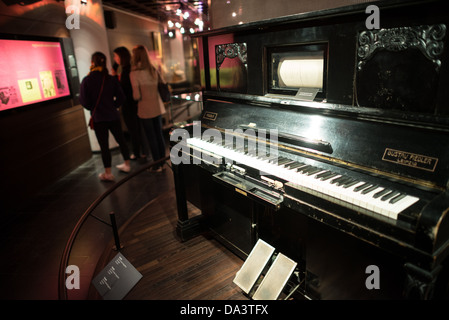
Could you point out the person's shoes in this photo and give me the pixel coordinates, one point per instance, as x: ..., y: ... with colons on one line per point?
x: 124, y: 167
x: 155, y: 169
x: 106, y: 177
x: 142, y: 159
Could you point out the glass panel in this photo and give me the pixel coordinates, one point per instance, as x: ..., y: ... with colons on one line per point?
x: 291, y: 68
x: 213, y: 42
x: 231, y: 67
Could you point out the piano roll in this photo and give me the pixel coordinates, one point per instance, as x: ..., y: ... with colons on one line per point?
x: 301, y: 73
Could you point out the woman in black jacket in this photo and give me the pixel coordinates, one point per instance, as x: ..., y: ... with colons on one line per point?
x: 102, y: 94
x: 122, y: 58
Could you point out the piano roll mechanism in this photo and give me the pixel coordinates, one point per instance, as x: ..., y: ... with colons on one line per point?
x: 329, y: 142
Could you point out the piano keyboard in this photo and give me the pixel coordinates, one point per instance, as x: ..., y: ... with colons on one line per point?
x: 341, y: 189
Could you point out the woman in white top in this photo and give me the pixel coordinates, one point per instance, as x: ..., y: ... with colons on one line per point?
x: 144, y: 80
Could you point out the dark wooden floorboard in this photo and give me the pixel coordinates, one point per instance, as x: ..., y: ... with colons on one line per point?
x: 198, y: 269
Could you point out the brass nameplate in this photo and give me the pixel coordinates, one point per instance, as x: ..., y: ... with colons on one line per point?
x: 241, y: 191
x: 408, y: 159
x: 210, y: 115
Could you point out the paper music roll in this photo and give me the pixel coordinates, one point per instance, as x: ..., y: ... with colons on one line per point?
x: 301, y: 73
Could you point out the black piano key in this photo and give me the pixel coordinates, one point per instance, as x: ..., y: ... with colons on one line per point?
x: 343, y: 181
x: 381, y: 193
x: 287, y: 164
x: 313, y: 171
x: 368, y: 190
x: 296, y: 165
x: 397, y: 198
x: 389, y: 195
x: 330, y: 176
x: 361, y: 187
x: 283, y: 160
x: 323, y: 174
x: 310, y: 170
x: 350, y: 184
x: 304, y: 169
x: 274, y: 160
x: 338, y: 179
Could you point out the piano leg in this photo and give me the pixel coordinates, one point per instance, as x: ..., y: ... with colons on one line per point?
x: 186, y: 227
x: 420, y: 283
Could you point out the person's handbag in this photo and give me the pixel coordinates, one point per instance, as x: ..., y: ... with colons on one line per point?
x: 164, y: 90
x: 91, y: 120
x: 91, y: 123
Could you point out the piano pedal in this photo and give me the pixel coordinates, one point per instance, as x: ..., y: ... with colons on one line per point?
x: 276, y: 278
x: 253, y: 266
x: 260, y: 285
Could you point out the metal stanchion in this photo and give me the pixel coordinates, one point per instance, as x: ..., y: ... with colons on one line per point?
x: 115, y: 232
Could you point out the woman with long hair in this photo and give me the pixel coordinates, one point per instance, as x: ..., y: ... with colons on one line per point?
x: 122, y: 58
x: 144, y: 80
x: 102, y: 94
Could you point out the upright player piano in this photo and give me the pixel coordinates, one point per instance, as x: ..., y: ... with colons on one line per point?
x: 327, y: 137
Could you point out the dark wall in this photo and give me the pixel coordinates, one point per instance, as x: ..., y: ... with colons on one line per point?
x: 39, y: 144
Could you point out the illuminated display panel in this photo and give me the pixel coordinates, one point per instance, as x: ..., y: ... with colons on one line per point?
x: 31, y: 71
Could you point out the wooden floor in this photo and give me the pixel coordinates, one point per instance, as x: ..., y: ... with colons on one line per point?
x: 197, y: 269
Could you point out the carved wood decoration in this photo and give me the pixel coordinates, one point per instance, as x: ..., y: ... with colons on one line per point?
x: 428, y: 39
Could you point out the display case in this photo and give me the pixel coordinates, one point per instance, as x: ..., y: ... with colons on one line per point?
x: 33, y: 71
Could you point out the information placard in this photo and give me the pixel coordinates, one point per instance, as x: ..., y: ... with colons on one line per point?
x: 116, y: 280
